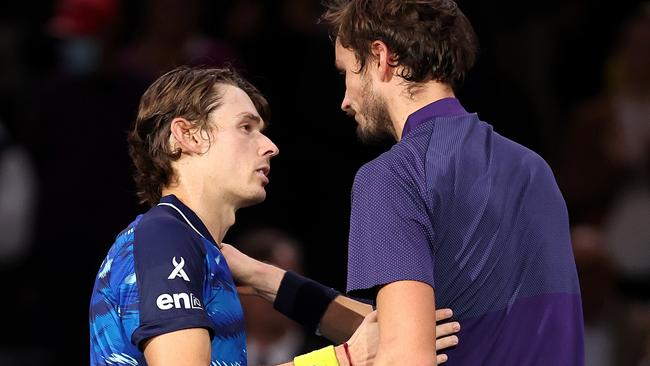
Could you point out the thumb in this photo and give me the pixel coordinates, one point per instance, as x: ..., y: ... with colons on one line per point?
x: 371, y: 317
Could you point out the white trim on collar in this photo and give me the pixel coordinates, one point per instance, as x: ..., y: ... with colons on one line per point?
x: 182, y: 214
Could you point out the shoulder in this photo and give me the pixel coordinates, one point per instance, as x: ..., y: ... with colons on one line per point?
x: 539, y: 171
x: 524, y: 165
x: 403, y: 162
x: 160, y: 231
x: 392, y: 177
x: 521, y: 156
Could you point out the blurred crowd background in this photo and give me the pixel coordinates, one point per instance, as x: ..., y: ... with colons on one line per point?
x: 569, y: 79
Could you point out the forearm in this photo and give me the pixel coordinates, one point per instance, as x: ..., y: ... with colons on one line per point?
x: 297, y: 297
x: 337, y: 320
x: 266, y: 280
x: 342, y: 318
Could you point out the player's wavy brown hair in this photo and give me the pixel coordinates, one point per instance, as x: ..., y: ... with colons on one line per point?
x: 431, y: 39
x: 190, y: 93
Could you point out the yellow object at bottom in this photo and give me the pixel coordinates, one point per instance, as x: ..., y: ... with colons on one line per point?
x: 323, y: 357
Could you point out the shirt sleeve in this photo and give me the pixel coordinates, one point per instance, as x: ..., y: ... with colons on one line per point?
x: 170, y: 272
x: 391, y: 234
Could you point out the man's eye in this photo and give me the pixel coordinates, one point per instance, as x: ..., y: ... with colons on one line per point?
x: 246, y: 128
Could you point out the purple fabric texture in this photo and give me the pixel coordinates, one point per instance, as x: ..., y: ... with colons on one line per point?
x: 507, y: 342
x: 480, y: 219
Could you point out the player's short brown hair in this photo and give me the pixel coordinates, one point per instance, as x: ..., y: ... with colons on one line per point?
x: 431, y: 39
x: 188, y: 92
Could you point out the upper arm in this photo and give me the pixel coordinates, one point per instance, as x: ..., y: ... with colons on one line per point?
x: 407, y: 324
x: 391, y: 234
x: 170, y: 273
x: 187, y: 347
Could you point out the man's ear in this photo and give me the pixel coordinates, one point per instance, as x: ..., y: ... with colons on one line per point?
x: 186, y: 137
x: 383, y: 58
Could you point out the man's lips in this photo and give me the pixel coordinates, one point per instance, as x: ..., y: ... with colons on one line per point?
x: 263, y: 173
x: 264, y: 170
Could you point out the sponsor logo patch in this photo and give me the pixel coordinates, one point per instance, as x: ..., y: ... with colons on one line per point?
x: 178, y: 270
x: 178, y: 301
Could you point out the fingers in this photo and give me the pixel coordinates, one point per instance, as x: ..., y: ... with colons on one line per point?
x: 372, y: 317
x: 442, y: 314
x: 443, y: 333
x: 446, y: 342
x: 227, y: 248
x: 447, y: 329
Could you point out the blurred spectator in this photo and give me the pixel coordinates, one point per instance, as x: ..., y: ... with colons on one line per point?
x: 18, y: 184
x: 597, y: 285
x: 272, y: 338
x: 627, y: 229
x: 606, y: 181
x: 84, y: 28
x: 606, y: 172
x: 17, y: 201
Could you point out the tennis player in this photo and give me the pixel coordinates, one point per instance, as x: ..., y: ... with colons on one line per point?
x: 454, y: 215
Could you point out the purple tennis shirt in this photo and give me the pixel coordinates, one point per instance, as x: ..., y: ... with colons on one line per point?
x: 479, y: 218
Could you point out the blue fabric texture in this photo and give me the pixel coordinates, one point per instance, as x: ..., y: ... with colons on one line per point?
x: 164, y: 273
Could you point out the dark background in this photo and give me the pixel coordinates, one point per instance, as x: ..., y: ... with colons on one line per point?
x: 542, y: 67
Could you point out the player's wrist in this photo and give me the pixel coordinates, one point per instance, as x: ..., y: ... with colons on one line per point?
x: 359, y: 351
x: 302, y: 299
x: 341, y: 356
x: 327, y: 356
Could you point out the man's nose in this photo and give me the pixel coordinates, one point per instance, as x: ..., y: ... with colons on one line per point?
x: 345, y: 105
x: 268, y: 148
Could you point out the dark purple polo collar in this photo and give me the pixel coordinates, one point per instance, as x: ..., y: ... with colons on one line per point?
x: 445, y: 107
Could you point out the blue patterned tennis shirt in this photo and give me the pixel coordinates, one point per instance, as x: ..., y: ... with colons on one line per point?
x: 479, y: 218
x: 164, y: 273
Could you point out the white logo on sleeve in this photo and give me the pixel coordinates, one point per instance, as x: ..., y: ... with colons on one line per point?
x: 178, y: 301
x: 178, y: 270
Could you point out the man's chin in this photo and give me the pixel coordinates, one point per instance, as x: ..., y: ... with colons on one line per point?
x: 254, y: 199
x: 374, y: 137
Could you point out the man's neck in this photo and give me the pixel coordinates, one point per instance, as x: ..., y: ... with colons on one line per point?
x: 404, y: 102
x: 217, y: 215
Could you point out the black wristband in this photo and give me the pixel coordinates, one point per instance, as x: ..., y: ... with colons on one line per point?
x: 303, y: 300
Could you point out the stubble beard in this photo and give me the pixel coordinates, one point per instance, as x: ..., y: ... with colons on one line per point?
x: 376, y: 126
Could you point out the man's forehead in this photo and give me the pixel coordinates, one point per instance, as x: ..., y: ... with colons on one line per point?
x: 338, y: 62
x: 239, y: 101
x: 236, y: 104
x: 342, y: 55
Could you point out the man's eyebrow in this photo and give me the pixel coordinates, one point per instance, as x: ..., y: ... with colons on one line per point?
x: 249, y: 115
